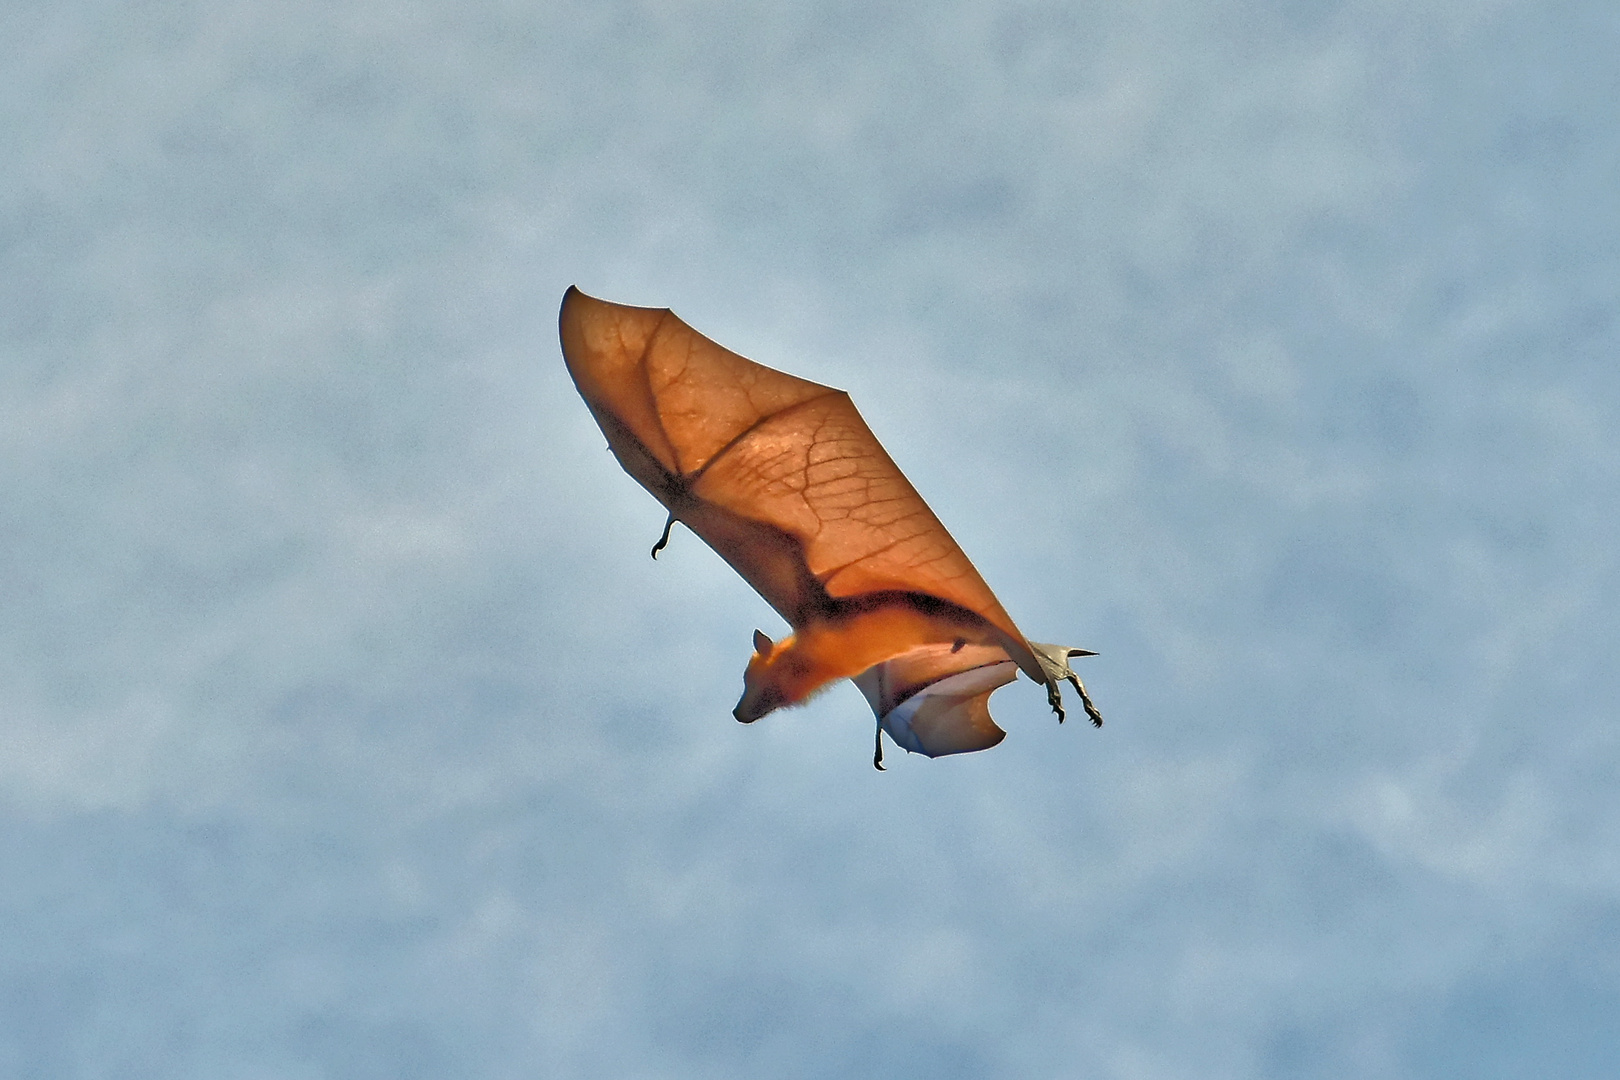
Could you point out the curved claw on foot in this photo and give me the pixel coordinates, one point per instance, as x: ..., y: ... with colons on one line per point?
x: 663, y: 541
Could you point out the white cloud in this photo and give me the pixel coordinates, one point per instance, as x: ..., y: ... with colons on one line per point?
x: 348, y: 728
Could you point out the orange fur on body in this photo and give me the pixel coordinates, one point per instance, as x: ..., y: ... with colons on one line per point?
x: 790, y: 671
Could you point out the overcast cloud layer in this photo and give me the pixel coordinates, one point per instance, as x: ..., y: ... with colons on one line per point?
x: 1267, y: 348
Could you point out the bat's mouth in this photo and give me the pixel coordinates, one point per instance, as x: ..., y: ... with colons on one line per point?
x: 754, y: 704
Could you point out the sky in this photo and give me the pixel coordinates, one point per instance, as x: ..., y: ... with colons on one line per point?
x: 1266, y: 348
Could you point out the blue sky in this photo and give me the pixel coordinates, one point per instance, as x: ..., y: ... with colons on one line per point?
x: 1266, y: 348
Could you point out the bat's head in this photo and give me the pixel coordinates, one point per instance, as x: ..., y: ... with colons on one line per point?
x: 762, y: 687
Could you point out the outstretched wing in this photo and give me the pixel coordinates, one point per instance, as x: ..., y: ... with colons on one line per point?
x: 779, y: 475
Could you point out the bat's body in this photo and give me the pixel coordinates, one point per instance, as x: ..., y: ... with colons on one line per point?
x: 784, y: 480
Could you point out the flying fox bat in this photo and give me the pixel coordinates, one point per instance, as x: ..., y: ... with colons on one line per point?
x: 784, y: 480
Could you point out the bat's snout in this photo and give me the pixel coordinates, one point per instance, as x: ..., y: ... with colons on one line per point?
x: 751, y: 707
x: 756, y: 701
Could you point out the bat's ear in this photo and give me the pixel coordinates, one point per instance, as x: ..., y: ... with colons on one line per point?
x: 762, y: 644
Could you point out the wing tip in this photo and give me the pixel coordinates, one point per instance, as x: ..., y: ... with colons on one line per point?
x: 571, y: 299
x: 575, y: 295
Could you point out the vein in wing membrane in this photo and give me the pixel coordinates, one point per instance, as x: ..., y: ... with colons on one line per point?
x: 817, y: 472
x: 778, y: 474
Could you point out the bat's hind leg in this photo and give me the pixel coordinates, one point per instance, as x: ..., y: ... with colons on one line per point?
x: 1085, y: 699
x: 1055, y: 661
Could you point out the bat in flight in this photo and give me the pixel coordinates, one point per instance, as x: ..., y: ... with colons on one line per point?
x: 784, y: 480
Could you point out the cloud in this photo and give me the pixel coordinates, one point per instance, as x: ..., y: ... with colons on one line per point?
x: 348, y: 729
